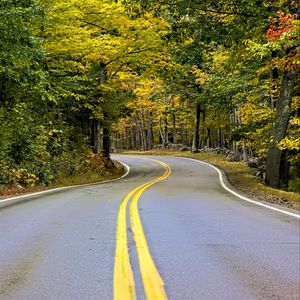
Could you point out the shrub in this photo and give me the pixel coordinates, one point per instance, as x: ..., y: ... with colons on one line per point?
x: 294, y: 185
x: 24, y: 178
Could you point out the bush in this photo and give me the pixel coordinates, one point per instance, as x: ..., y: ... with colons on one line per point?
x: 41, y: 150
x: 5, y: 174
x: 294, y: 185
x: 24, y: 178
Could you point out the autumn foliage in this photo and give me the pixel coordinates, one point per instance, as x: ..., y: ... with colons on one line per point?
x: 284, y: 23
x: 80, y: 77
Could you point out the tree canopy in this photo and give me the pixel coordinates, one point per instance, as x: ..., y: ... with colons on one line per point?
x: 78, y: 78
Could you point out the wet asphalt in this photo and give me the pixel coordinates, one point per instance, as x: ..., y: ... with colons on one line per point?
x: 205, y: 242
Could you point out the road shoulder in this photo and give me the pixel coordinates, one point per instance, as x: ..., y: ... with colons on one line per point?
x: 28, y: 195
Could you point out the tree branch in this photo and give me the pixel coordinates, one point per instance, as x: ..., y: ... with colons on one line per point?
x: 225, y: 12
x: 129, y: 53
x: 94, y: 24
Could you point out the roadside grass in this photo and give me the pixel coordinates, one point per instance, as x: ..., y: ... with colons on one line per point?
x: 239, y: 175
x: 92, y: 177
x: 13, y: 190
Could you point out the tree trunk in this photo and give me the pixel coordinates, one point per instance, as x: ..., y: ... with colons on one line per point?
x: 196, y: 136
x: 150, y: 136
x: 106, y: 124
x: 235, y: 149
x: 219, y: 137
x: 184, y: 133
x: 283, y: 111
x: 160, y: 139
x: 245, y: 151
x: 132, y: 138
x: 143, y: 131
x: 208, y: 136
x: 96, y: 137
x: 141, y: 127
x: 162, y: 136
x: 106, y: 143
x: 174, y: 127
x: 235, y: 119
x: 166, y: 134
x: 203, y: 131
x: 284, y: 168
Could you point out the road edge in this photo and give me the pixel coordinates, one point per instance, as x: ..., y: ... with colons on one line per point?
x: 231, y: 189
x: 27, y: 197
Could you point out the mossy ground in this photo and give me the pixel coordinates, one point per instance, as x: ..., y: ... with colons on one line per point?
x: 240, y: 176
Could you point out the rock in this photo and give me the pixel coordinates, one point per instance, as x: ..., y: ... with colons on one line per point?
x: 185, y: 148
x: 255, y: 163
x: 252, y: 163
x: 157, y: 147
x: 230, y: 157
x: 172, y: 147
x: 259, y: 174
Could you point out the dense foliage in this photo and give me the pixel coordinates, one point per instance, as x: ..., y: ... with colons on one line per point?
x: 233, y: 82
x: 197, y: 73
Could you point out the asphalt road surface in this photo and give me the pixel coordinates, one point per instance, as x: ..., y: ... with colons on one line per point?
x: 205, y: 242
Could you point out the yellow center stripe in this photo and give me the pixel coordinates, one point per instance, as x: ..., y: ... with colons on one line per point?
x: 153, y: 284
x: 124, y: 288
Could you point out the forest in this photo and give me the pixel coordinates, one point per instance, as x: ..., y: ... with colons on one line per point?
x: 81, y: 78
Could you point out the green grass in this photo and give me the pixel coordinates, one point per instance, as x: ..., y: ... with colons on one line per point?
x: 240, y: 176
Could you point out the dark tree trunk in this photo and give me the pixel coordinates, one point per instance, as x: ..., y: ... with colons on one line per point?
x: 160, y: 139
x: 132, y: 138
x: 138, y: 137
x: 219, y: 137
x: 203, y: 131
x: 184, y: 136
x: 95, y: 133
x: 106, y: 143
x: 96, y: 137
x: 196, y: 136
x: 208, y: 137
x: 284, y: 168
x: 283, y: 111
x: 143, y: 132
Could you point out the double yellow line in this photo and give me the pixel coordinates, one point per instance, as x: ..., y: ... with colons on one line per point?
x: 124, y: 287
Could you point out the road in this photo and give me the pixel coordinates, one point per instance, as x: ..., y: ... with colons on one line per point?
x: 204, y: 242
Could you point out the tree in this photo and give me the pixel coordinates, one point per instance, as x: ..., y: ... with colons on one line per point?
x: 202, y: 27
x: 104, y: 46
x: 21, y: 55
x: 285, y: 34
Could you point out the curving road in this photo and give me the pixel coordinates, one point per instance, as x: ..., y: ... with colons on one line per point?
x: 205, y: 242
